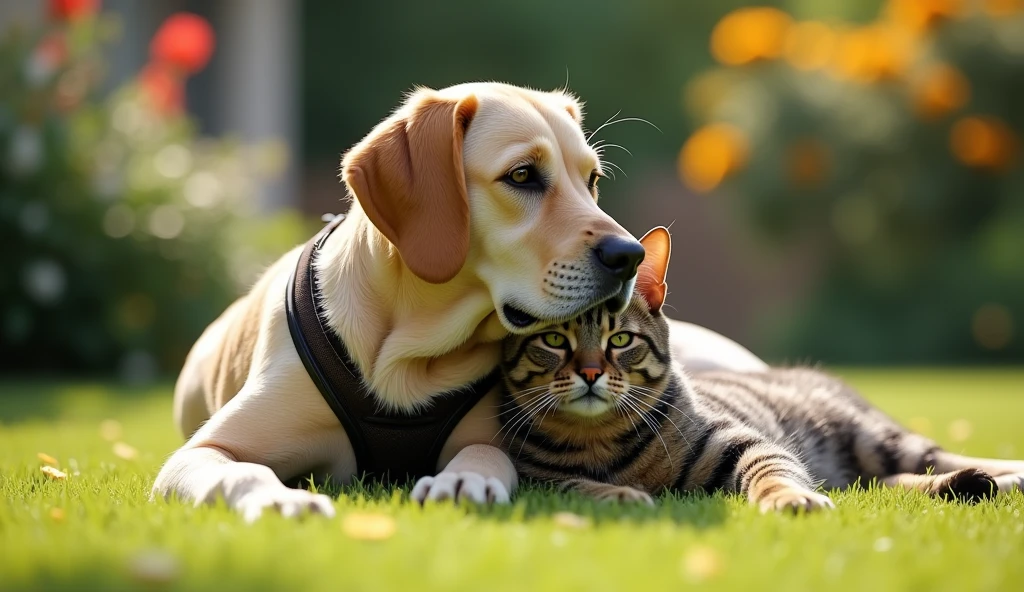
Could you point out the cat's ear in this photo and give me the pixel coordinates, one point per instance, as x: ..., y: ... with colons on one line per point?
x: 650, y: 277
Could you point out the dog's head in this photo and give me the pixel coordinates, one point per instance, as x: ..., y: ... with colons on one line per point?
x: 498, y: 182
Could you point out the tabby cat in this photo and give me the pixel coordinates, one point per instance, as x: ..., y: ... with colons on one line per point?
x: 596, y: 405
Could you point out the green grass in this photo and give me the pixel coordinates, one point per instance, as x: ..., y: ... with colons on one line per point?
x: 112, y: 538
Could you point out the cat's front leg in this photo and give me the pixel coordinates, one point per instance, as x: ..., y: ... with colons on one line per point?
x: 783, y: 495
x: 606, y: 492
x: 776, y: 481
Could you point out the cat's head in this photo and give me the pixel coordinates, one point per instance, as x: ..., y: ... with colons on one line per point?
x: 599, y: 362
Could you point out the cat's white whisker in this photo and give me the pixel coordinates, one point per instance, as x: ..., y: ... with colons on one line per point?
x: 666, y: 415
x: 522, y: 415
x: 632, y: 401
x: 529, y: 418
x: 657, y: 395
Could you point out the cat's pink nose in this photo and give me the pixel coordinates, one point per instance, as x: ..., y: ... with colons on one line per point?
x: 590, y: 374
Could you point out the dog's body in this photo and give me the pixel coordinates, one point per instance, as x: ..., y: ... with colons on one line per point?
x: 458, y: 234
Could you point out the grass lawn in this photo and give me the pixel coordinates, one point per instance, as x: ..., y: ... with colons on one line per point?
x: 95, y: 530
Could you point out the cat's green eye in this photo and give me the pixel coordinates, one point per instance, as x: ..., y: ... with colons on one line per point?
x: 621, y: 339
x: 554, y: 340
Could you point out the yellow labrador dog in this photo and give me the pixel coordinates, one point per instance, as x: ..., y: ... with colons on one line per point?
x: 466, y: 202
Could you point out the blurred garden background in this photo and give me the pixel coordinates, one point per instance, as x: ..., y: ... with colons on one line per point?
x: 843, y: 178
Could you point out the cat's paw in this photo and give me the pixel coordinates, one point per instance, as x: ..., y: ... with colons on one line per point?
x: 792, y: 499
x: 967, y: 485
x: 623, y: 495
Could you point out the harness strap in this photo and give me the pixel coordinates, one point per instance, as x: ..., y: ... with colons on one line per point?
x: 389, y: 446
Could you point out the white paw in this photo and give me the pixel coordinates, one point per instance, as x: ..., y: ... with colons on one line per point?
x: 1010, y: 482
x: 287, y: 502
x: 460, y: 487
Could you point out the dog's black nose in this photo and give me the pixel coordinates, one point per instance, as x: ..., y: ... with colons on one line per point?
x: 619, y: 256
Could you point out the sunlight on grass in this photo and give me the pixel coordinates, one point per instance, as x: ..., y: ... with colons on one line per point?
x: 96, y: 529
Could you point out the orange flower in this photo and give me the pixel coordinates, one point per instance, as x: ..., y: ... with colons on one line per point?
x: 749, y: 34
x: 711, y: 154
x: 809, y: 46
x: 983, y: 142
x: 807, y: 163
x: 1003, y: 7
x: 922, y: 15
x: 873, y: 53
x: 941, y: 90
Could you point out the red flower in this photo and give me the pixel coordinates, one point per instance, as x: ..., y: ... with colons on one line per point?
x: 162, y: 86
x: 69, y: 10
x: 185, y: 41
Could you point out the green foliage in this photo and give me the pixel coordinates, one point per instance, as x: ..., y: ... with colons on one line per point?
x: 122, y: 230
x: 897, y: 161
x: 106, y: 535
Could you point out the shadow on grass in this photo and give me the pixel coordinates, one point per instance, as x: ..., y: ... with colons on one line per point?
x: 45, y: 400
x: 534, y: 501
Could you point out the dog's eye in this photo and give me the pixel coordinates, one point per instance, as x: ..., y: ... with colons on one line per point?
x: 594, y: 176
x: 525, y: 177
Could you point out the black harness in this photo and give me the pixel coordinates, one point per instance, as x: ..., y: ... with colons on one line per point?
x: 390, y: 446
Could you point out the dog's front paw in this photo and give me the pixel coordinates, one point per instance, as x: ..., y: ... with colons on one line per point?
x: 461, y: 486
x: 289, y: 503
x: 792, y: 499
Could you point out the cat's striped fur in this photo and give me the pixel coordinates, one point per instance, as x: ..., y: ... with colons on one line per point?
x: 594, y: 411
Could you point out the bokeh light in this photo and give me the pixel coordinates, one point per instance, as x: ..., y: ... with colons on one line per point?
x: 712, y: 153
x: 983, y: 142
x: 749, y: 34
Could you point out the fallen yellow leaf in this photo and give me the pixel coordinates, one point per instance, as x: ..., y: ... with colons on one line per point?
x: 701, y: 563
x: 53, y: 473
x: 46, y: 458
x: 57, y: 514
x: 110, y: 430
x: 125, y: 451
x: 570, y: 520
x: 154, y: 567
x: 368, y: 527
x: 960, y: 430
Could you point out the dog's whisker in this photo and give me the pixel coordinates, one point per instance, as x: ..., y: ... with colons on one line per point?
x: 620, y: 147
x: 602, y: 126
x: 616, y: 166
x: 628, y: 119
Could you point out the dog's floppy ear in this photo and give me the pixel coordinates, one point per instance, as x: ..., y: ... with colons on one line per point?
x: 650, y: 277
x: 408, y: 177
